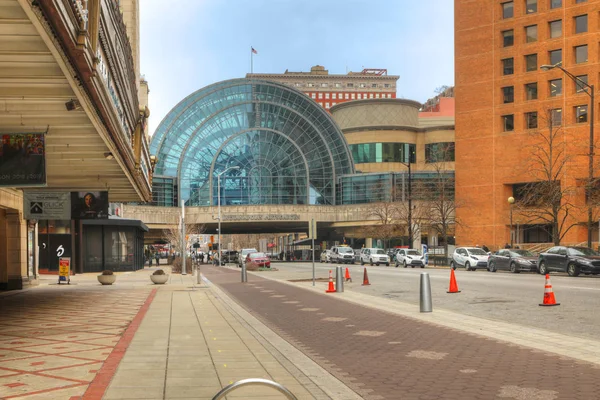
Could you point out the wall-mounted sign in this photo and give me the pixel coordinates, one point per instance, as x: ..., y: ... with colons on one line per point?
x: 22, y: 160
x: 89, y: 205
x: 46, y: 205
x: 261, y: 217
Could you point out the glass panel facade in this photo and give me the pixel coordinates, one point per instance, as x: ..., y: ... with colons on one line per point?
x: 286, y: 148
x: 438, y: 152
x: 383, y: 152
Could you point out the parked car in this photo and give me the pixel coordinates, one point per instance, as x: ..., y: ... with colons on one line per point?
x: 471, y: 258
x: 570, y: 259
x: 230, y: 256
x: 326, y: 256
x: 257, y: 260
x: 409, y: 257
x: 243, y: 254
x: 513, y: 260
x: 374, y: 256
x: 342, y: 255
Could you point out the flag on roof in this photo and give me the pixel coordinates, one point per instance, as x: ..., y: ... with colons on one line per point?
x: 254, y: 51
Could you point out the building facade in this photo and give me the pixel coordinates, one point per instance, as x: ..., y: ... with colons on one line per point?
x: 507, y: 106
x: 70, y: 80
x: 329, y: 90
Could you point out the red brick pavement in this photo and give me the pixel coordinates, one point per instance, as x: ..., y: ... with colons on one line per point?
x: 386, y: 356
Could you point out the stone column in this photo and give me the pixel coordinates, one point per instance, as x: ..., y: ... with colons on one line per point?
x: 13, y: 246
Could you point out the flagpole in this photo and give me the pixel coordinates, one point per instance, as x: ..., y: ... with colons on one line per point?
x: 251, y: 60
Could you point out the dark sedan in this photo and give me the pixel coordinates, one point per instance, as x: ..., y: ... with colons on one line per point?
x: 570, y: 259
x: 513, y: 260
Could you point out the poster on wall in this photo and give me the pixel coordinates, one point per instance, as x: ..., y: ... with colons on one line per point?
x: 22, y: 160
x: 43, y: 205
x: 89, y: 205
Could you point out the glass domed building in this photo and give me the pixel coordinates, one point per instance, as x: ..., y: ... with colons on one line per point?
x: 270, y: 144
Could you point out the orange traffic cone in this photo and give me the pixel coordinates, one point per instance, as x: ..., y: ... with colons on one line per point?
x: 365, y: 279
x: 549, y: 299
x: 348, y: 278
x: 331, y: 289
x: 453, y: 285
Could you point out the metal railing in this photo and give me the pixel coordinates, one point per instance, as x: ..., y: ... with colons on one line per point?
x: 255, y: 381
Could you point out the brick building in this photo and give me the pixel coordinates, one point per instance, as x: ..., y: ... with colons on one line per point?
x: 328, y: 90
x: 505, y: 103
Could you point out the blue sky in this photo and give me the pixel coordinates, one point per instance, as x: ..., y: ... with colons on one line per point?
x: 186, y: 45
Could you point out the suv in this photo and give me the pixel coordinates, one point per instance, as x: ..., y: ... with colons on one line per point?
x: 471, y: 258
x: 410, y: 257
x: 374, y: 256
x: 342, y: 254
x: 242, y: 255
x: 230, y: 256
x: 570, y: 259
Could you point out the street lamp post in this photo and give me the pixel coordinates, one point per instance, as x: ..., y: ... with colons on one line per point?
x: 511, y: 201
x: 219, y: 207
x: 589, y: 90
x: 410, y: 227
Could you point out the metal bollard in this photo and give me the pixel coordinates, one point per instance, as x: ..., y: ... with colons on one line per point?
x: 339, y: 280
x: 198, y: 275
x: 425, y: 300
x: 244, y: 273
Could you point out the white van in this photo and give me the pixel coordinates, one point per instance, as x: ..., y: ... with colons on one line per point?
x: 342, y: 255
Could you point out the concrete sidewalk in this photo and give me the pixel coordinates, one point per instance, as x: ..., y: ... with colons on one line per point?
x: 194, y: 340
x: 136, y: 340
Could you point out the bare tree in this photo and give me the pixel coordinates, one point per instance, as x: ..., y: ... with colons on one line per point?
x: 173, y: 235
x: 547, y: 199
x: 387, y: 216
x: 441, y: 203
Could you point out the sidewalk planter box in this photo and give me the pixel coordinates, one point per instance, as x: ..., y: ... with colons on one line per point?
x: 107, y: 279
x: 159, y: 279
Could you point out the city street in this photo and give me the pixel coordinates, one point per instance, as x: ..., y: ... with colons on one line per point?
x: 499, y: 296
x: 383, y: 355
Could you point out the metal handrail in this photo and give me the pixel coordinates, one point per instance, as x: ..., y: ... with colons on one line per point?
x: 254, y: 381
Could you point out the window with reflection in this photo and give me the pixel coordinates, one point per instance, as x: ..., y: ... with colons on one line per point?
x: 383, y: 152
x: 555, y: 28
x: 439, y: 152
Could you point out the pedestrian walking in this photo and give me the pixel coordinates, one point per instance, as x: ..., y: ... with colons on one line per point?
x: 157, y: 257
x: 150, y: 260
x: 485, y: 248
x: 507, y: 246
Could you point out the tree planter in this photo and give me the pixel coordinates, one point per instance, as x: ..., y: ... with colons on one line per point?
x: 159, y: 279
x: 107, y: 279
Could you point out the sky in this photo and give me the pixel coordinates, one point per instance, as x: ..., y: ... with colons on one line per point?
x: 189, y: 44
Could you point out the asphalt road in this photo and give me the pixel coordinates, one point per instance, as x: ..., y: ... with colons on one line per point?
x: 499, y: 296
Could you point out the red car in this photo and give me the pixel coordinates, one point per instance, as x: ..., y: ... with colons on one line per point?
x: 258, y: 260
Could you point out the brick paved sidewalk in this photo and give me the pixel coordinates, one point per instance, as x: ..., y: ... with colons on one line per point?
x: 387, y: 356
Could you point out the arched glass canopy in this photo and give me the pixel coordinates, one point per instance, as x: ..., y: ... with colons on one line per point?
x: 287, y: 148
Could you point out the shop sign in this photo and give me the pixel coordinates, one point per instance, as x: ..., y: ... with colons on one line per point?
x: 46, y: 205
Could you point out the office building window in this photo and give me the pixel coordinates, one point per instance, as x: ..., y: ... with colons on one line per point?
x: 320, y: 95
x: 363, y: 85
x: 581, y: 54
x: 333, y: 104
x: 530, y: 6
x: 555, y: 56
x: 352, y: 96
x: 334, y: 96
x: 556, y: 116
x: 359, y: 96
x: 581, y: 24
x: 351, y: 85
x: 579, y: 87
x: 338, y: 85
x: 508, y: 94
x: 371, y: 95
x: 326, y: 95
x: 507, y: 10
x: 555, y: 87
x: 298, y: 84
x: 310, y: 84
x: 581, y: 114
x: 313, y: 95
x: 555, y: 3
x: 531, y: 120
x: 439, y: 152
x: 531, y: 91
x: 377, y: 95
x: 324, y: 85
x: 327, y: 105
x: 386, y: 85
x: 580, y: 1
x: 508, y: 38
x: 555, y: 28
x: 373, y: 85
x: 531, y: 33
x: 508, y: 123
x: 346, y: 96
x: 531, y: 62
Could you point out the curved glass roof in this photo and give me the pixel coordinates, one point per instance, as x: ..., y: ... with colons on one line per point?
x: 283, y: 147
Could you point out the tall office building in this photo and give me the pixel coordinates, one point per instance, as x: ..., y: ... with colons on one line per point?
x: 329, y: 90
x: 507, y: 105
